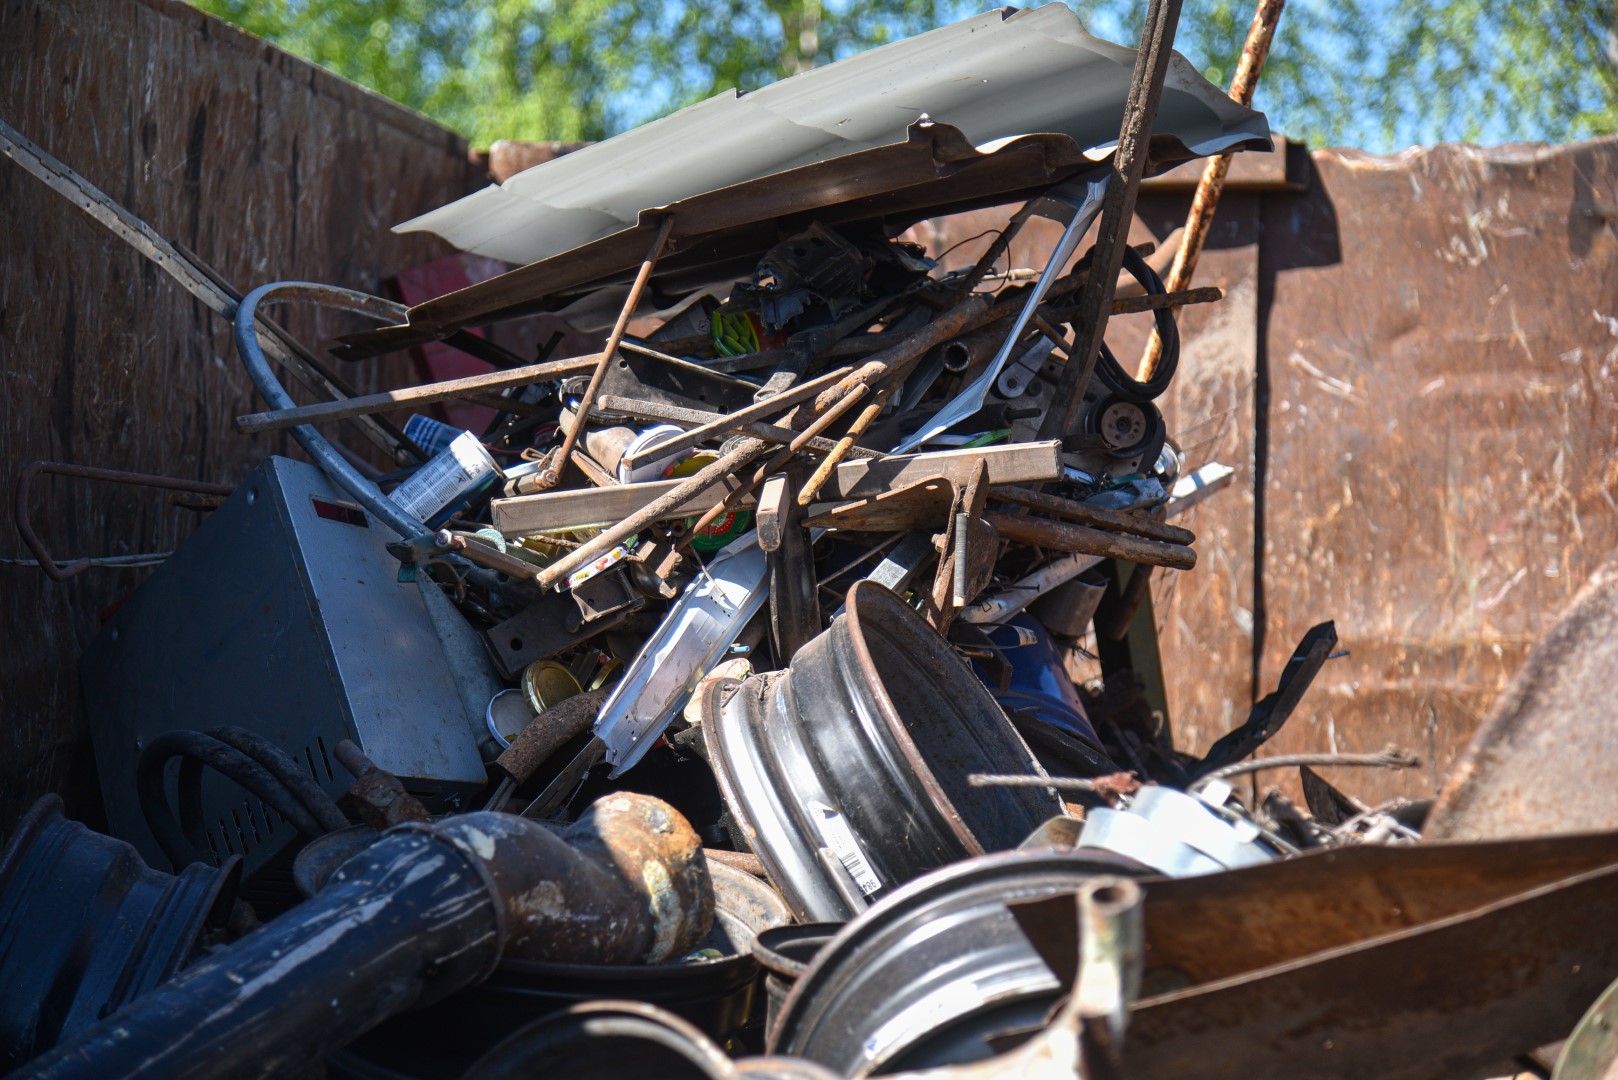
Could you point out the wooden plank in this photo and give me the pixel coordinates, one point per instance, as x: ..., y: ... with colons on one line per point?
x: 1038, y: 461
x: 1018, y: 463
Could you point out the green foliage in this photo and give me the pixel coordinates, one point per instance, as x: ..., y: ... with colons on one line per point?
x: 1374, y: 73
x: 1381, y: 74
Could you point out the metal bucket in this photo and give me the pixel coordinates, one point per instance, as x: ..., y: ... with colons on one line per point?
x: 785, y: 953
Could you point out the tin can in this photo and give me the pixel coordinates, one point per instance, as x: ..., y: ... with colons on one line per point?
x: 448, y: 482
x: 433, y: 436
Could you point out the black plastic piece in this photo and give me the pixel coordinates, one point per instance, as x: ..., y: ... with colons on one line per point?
x: 1272, y: 712
x: 86, y: 927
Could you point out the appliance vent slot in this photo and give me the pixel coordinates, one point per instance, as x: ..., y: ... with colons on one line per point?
x: 325, y: 758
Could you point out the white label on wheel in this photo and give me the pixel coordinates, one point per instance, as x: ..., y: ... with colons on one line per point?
x: 840, y: 838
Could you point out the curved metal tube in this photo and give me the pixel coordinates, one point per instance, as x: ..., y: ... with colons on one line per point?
x: 313, y: 442
x: 424, y: 911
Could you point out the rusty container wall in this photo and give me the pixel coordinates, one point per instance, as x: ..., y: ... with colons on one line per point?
x: 263, y: 165
x: 1426, y: 433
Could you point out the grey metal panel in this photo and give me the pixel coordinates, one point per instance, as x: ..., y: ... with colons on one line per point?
x: 292, y: 625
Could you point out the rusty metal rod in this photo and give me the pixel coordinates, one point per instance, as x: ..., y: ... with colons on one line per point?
x: 25, y: 527
x: 551, y: 475
x: 1391, y: 758
x: 823, y: 471
x: 1128, y: 163
x: 737, y: 860
x: 1082, y: 540
x: 1254, y: 52
x: 733, y: 460
x: 549, y: 732
x: 1095, y: 517
x: 425, y: 394
x: 1174, y: 298
x: 486, y: 556
x: 719, y: 425
x: 892, y: 365
x: 674, y: 414
x: 807, y: 436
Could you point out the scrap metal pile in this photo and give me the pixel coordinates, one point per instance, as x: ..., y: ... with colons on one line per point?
x: 715, y: 699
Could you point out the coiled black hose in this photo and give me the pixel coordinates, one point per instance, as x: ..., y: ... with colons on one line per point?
x: 182, y: 837
x: 285, y: 768
x: 1111, y: 374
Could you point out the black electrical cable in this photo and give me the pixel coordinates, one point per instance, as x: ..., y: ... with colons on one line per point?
x: 181, y: 838
x: 1111, y: 374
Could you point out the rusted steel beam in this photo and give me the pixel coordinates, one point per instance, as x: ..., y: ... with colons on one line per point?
x: 551, y: 475
x: 1093, y: 516
x: 1400, y: 998
x: 1254, y: 52
x: 1062, y: 536
x: 1128, y: 162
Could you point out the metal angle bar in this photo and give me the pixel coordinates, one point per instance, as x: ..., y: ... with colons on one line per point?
x: 1086, y: 198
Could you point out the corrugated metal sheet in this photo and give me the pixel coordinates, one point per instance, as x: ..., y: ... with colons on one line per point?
x: 995, y: 77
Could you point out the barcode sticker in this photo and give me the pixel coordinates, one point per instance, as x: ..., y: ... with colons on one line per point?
x: 840, y: 839
x: 442, y: 479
